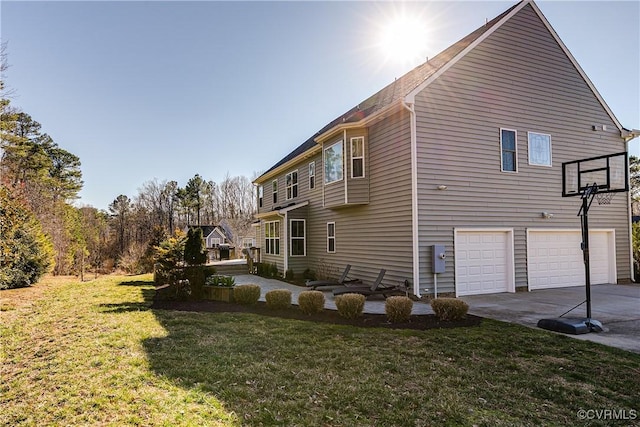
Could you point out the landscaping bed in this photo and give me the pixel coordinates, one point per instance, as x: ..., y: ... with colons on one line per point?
x: 416, y: 322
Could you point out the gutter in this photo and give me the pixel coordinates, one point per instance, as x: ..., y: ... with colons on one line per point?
x: 410, y: 106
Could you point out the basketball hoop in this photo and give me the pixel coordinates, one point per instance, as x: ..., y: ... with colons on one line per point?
x: 604, y: 198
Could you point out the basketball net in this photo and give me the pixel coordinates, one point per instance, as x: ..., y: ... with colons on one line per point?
x: 604, y: 198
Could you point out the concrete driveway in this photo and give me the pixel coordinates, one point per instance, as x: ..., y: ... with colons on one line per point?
x: 616, y: 306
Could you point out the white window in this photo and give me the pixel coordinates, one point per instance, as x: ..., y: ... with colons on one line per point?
x: 357, y: 157
x: 291, y: 185
x: 508, y: 150
x: 272, y: 237
x: 539, y: 149
x: 260, y: 196
x: 333, y: 165
x: 312, y: 175
x: 247, y: 242
x: 331, y: 237
x: 274, y: 186
x: 214, y: 242
x: 298, y: 243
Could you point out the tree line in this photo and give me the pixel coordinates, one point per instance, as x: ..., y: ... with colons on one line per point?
x: 41, y: 230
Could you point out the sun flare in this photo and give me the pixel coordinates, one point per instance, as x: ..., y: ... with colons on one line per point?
x: 404, y: 39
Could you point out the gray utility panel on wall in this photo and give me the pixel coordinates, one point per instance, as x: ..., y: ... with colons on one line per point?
x: 438, y: 256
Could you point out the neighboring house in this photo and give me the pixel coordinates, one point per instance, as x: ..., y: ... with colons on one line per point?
x: 463, y: 151
x: 217, y: 240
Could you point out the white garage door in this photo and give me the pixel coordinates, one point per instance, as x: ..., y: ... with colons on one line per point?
x: 555, y: 258
x: 484, y: 262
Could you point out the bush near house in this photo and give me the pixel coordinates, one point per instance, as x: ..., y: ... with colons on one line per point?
x: 398, y: 309
x: 449, y: 308
x: 311, y: 302
x: 278, y: 299
x: 268, y: 270
x: 350, y: 306
x: 247, y: 294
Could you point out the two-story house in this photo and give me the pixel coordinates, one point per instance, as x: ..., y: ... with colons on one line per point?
x: 463, y: 151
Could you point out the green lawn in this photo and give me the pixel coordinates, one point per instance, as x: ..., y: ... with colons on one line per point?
x: 96, y: 354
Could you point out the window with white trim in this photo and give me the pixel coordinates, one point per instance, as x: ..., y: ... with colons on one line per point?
x: 298, y: 240
x: 214, y: 242
x: 272, y: 237
x: 539, y: 149
x: 333, y: 163
x: 508, y: 150
x: 274, y: 186
x: 291, y: 184
x: 331, y: 237
x: 312, y: 175
x: 260, y: 195
x: 247, y: 242
x: 357, y: 157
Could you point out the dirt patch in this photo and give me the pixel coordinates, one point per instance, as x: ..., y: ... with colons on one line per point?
x: 416, y: 322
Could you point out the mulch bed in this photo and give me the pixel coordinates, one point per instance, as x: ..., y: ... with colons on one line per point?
x: 416, y: 322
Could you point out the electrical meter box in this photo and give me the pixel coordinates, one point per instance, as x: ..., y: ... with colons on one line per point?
x: 438, y: 256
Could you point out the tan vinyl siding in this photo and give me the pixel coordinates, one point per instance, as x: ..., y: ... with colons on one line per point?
x: 298, y: 263
x: 518, y: 78
x: 377, y: 235
x: 270, y: 258
x: 357, y: 188
x: 368, y: 237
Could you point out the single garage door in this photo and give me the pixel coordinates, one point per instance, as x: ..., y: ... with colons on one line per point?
x: 555, y: 258
x: 483, y: 262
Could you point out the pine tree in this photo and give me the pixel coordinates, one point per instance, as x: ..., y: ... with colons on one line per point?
x: 25, y: 252
x: 195, y: 252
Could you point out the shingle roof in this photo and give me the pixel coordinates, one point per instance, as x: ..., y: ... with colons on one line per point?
x: 395, y: 91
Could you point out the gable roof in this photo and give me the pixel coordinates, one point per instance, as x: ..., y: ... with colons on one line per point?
x: 208, y: 229
x: 406, y: 87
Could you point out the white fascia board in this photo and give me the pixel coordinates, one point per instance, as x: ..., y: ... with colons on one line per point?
x: 294, y: 207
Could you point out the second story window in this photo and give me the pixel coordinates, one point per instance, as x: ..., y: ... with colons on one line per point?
x: 291, y: 180
x: 539, y: 149
x: 333, y: 165
x: 274, y: 184
x: 357, y: 157
x: 312, y: 175
x: 508, y: 150
x: 260, y: 195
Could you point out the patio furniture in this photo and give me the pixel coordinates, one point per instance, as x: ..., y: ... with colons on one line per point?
x: 342, y: 281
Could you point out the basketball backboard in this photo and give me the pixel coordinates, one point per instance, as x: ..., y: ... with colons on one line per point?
x: 609, y: 174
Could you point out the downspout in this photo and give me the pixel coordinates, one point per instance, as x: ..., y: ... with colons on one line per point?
x: 344, y: 167
x: 410, y: 106
x: 286, y: 241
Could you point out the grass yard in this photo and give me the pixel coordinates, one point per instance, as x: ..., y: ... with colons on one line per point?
x: 94, y: 353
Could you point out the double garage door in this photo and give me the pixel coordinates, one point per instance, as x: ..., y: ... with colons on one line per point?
x: 485, y: 260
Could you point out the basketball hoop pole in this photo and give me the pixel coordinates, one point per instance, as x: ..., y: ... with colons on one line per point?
x: 585, y: 251
x: 587, y: 199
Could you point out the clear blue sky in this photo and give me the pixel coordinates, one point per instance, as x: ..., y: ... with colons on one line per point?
x: 143, y: 90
